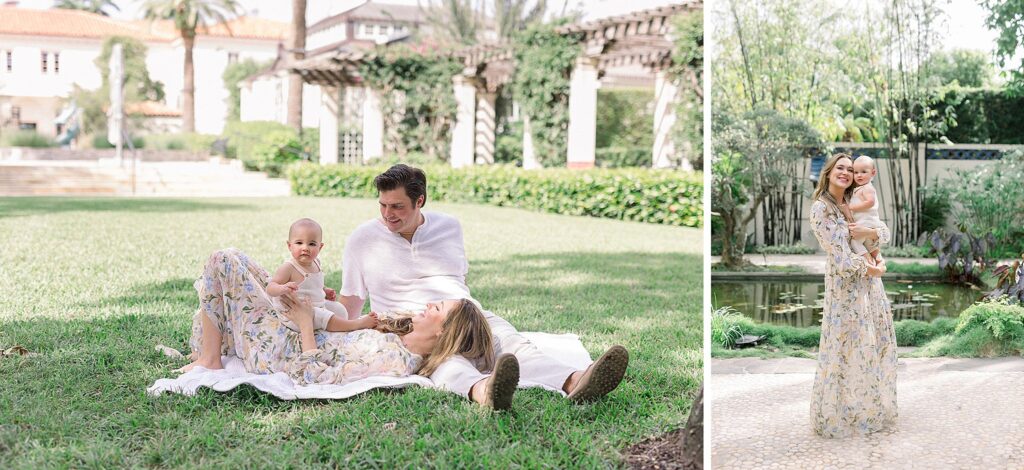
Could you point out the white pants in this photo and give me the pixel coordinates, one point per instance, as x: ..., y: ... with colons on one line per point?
x: 536, y: 369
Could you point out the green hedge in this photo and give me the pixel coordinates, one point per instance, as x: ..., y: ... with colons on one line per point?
x: 26, y: 138
x: 655, y: 196
x: 269, y: 146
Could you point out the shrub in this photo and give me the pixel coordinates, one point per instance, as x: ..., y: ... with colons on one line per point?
x: 784, y: 250
x: 728, y: 325
x: 917, y: 333
x: 986, y: 329
x: 655, y: 196
x: 267, y: 146
x: 935, y: 207
x: 192, y: 142
x: 99, y: 141
x: 623, y: 157
x: 909, y: 251
x: 28, y: 139
x: 989, y: 199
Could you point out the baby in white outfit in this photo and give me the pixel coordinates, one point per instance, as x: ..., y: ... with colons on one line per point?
x: 301, y: 275
x: 863, y: 208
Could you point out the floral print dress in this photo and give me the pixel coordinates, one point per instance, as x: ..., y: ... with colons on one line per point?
x: 232, y: 294
x: 855, y: 384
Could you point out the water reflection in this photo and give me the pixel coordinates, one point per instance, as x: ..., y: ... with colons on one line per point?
x: 800, y: 303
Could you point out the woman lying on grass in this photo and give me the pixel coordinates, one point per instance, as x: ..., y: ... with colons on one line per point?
x: 236, y: 318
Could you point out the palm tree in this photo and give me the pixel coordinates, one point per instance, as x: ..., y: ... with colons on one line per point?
x: 187, y: 16
x: 511, y: 15
x: 94, y: 6
x: 298, y: 46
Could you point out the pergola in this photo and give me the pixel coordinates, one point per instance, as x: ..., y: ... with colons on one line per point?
x: 634, y: 44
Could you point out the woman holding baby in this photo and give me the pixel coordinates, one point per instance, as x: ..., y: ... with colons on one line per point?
x: 855, y: 384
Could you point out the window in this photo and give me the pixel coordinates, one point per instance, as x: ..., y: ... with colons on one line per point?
x: 385, y: 30
x: 16, y: 113
x: 56, y: 62
x: 10, y: 61
x: 43, y: 60
x: 232, y: 57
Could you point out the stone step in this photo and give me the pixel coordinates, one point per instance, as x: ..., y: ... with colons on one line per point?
x: 167, y: 179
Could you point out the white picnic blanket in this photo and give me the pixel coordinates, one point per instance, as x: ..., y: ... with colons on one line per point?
x: 566, y: 347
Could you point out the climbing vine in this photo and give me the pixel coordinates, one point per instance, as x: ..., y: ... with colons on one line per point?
x: 544, y: 61
x: 416, y: 100
x: 687, y: 72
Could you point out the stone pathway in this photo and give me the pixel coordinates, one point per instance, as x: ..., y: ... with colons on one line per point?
x: 953, y: 413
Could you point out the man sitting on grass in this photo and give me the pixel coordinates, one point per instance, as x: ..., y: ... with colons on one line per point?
x: 409, y: 257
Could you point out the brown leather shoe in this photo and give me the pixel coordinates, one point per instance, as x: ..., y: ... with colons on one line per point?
x: 501, y: 385
x: 603, y: 376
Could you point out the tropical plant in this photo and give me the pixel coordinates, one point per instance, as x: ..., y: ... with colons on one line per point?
x: 455, y: 20
x: 94, y: 6
x: 727, y: 326
x: 962, y: 257
x: 989, y: 199
x: 512, y: 16
x: 1009, y: 281
x: 297, y: 45
x: 188, y: 16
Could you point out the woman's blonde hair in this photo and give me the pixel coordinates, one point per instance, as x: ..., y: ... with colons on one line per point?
x: 821, y: 191
x: 464, y: 332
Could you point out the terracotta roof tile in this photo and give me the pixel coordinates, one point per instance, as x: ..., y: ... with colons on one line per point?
x: 82, y: 24
x: 65, y: 23
x: 245, y: 27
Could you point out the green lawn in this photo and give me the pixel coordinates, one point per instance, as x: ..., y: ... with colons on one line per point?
x: 91, y: 285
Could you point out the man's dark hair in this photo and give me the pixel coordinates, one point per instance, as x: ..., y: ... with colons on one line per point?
x: 403, y: 176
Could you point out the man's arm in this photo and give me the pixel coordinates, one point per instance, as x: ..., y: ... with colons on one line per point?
x: 353, y: 305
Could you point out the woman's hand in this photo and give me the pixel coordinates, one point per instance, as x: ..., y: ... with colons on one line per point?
x: 329, y: 294
x: 877, y: 270
x: 856, y: 231
x: 298, y: 311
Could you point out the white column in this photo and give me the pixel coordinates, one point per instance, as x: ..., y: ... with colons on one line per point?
x: 485, y: 128
x: 464, y: 128
x: 330, y: 99
x: 373, y: 126
x: 664, y: 153
x: 530, y: 161
x: 582, y: 114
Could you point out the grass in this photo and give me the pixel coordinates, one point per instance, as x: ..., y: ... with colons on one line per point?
x: 912, y: 268
x: 93, y: 284
x: 790, y: 341
x: 758, y: 268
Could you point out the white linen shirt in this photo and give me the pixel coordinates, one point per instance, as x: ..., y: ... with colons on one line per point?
x: 400, y: 275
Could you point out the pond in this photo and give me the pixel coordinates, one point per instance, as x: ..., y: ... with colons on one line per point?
x: 799, y: 303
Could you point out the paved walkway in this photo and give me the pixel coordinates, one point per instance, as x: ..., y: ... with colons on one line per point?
x: 954, y: 413
x: 815, y: 263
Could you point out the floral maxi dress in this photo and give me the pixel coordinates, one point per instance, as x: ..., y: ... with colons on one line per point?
x: 232, y: 293
x: 855, y: 384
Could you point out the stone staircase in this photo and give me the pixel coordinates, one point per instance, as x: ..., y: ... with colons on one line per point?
x: 213, y: 178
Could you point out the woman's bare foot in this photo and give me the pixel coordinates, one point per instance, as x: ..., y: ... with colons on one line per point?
x: 212, y: 364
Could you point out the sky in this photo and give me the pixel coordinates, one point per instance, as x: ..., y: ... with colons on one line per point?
x: 965, y: 28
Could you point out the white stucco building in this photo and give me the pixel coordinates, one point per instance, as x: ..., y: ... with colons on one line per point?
x: 45, y: 53
x: 361, y: 27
